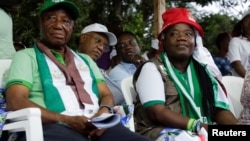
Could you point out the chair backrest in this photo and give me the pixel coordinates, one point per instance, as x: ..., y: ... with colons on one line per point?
x: 234, y: 85
x: 128, y: 90
x: 28, y: 119
x: 129, y: 95
x: 4, y: 66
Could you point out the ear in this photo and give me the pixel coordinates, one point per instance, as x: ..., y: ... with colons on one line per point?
x: 82, y: 38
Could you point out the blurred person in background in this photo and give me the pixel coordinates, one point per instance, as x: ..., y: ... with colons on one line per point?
x: 7, y: 7
x: 239, y: 47
x: 221, y: 59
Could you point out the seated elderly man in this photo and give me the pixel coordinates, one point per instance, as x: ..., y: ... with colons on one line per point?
x: 95, y: 40
x: 67, y: 87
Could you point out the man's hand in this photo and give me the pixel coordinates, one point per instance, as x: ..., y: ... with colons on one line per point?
x: 137, y: 59
x: 78, y: 123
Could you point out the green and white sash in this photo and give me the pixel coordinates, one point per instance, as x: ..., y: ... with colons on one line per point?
x: 60, y: 97
x: 189, y: 89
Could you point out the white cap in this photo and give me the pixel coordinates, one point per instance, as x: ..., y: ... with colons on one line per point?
x: 96, y: 27
x: 155, y: 44
x: 112, y: 53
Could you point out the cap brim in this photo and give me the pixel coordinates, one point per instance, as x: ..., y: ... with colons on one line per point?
x: 67, y: 5
x: 195, y: 25
x: 112, y: 38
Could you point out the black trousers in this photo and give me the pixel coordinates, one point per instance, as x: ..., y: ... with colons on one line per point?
x: 57, y: 132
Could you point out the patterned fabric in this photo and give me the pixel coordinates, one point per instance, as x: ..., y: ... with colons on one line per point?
x: 173, y: 134
x: 245, y: 100
x: 168, y: 134
x: 3, y: 112
x: 126, y: 112
x: 223, y: 64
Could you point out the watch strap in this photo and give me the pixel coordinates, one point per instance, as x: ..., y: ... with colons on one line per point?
x: 111, y: 110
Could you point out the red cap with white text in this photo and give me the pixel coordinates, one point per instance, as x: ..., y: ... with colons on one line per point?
x: 179, y: 15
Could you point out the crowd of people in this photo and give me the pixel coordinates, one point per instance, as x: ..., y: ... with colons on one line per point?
x: 67, y: 86
x: 178, y: 81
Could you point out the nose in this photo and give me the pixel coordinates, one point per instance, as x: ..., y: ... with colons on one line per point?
x: 126, y: 45
x: 58, y: 24
x: 100, y: 47
x: 181, y: 36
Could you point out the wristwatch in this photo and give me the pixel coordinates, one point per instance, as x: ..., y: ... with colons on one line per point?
x: 111, y: 110
x: 198, y: 126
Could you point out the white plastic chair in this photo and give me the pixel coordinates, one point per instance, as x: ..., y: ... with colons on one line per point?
x: 129, y: 95
x: 28, y: 119
x: 234, y: 85
x: 128, y: 90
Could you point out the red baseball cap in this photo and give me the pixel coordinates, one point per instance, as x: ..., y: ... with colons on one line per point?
x: 179, y: 15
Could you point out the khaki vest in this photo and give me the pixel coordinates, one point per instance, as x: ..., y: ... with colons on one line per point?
x: 143, y: 124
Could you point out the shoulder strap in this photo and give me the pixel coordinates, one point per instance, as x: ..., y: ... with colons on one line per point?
x: 159, y: 64
x: 137, y: 73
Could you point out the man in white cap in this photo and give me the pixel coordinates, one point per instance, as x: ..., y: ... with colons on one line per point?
x: 67, y: 87
x: 91, y: 32
x: 95, y: 39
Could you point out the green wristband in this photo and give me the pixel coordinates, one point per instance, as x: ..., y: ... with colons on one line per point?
x: 190, y: 123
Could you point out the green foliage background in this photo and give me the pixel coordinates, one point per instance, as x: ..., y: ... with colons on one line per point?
x: 132, y: 15
x: 213, y: 25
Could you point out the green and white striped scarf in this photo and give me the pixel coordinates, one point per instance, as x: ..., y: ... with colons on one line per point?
x: 189, y: 89
x: 59, y: 97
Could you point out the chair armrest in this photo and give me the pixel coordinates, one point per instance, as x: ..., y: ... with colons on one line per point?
x: 28, y: 120
x: 23, y: 114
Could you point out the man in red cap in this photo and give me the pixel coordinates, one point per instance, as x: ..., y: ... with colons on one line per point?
x: 178, y: 88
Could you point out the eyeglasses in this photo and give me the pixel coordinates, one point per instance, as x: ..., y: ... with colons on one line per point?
x: 186, y: 34
x: 128, y: 43
x: 99, y: 41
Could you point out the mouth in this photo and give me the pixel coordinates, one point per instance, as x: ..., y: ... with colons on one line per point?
x: 130, y: 53
x: 58, y: 36
x: 181, y: 46
x: 97, y: 54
